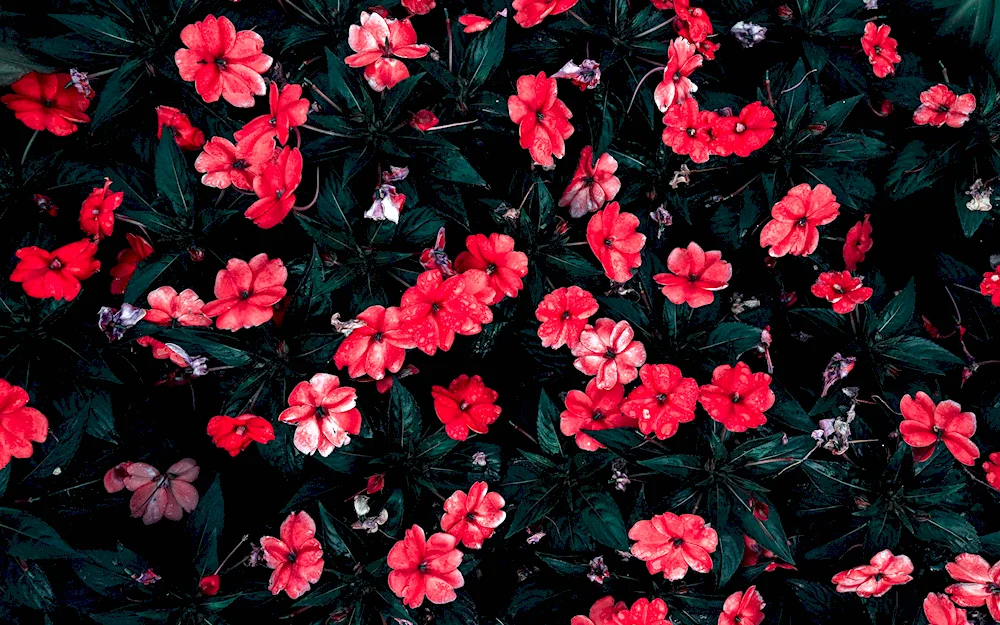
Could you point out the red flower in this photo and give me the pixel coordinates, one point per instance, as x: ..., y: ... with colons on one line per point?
x: 137, y: 251
x: 745, y: 133
x: 737, y: 397
x: 435, y: 309
x: 793, y: 227
x: 419, y: 7
x: 643, y: 612
x: 592, y: 185
x: 474, y: 23
x: 55, y: 274
x: 97, y: 215
x: 209, y: 585
x: 670, y: 544
x: 19, y: 425
x: 743, y: 608
x: 275, y: 187
x: 980, y: 583
x: 425, y: 568
x: 528, y: 13
x: 378, y: 44
x: 614, y: 241
x: 167, y: 306
x: 224, y: 164
x: 940, y: 106
x: 423, y: 120
x: 676, y: 87
x: 688, y: 130
x: 222, y: 62
x: 288, y: 110
x: 234, y: 434
x: 939, y: 610
x: 880, y: 48
x: 593, y: 410
x: 990, y: 286
x: 601, y: 613
x: 169, y: 495
x: 467, y: 404
x: 186, y: 136
x: 324, y: 414
x: 924, y: 424
x: 695, y: 275
x: 542, y: 118
x: 247, y: 292
x: 842, y: 290
x: 858, y: 243
x: 992, y: 468
x: 474, y: 517
x: 496, y: 256
x: 296, y: 557
x: 608, y: 352
x: 48, y: 102
x: 875, y: 579
x: 564, y: 313
x: 163, y: 351
x: 692, y: 24
x: 378, y: 345
x: 664, y: 400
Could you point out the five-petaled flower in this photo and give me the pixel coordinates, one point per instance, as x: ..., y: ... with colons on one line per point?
x: 377, y: 346
x: 924, y: 424
x: 473, y: 517
x: 156, y: 495
x: 939, y: 106
x: 323, y: 413
x: 97, y: 214
x: 842, y: 290
x: 737, y: 397
x: 296, y: 556
x: 880, y: 48
x: 676, y: 86
x: 688, y: 130
x: 594, y: 409
x: 496, y: 256
x: 793, y: 228
x: 275, y: 188
x: 857, y: 243
x: 939, y: 610
x: 435, y: 309
x: 876, y: 578
x: 288, y: 110
x: 694, y: 275
x: 670, y: 544
x: 19, y: 425
x: 608, y: 351
x: 528, y: 13
x: 224, y: 164
x: 467, y: 404
x: 613, y: 239
x: 592, y: 185
x: 425, y: 567
x: 564, y: 313
x: 663, y: 401
x: 48, y: 102
x: 166, y: 305
x: 247, y: 292
x: 379, y: 44
x: 234, y: 434
x: 743, y: 608
x: 643, y: 612
x: 223, y: 62
x: 56, y: 274
x: 542, y: 118
x: 745, y: 133
x: 979, y: 583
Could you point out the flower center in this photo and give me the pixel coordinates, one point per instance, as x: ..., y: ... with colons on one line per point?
x: 422, y: 567
x: 941, y: 108
x: 539, y: 116
x: 279, y: 193
x: 740, y: 127
x: 802, y: 222
x: 490, y: 269
x: 565, y: 314
x: 463, y: 406
x: 878, y: 50
x: 56, y: 264
x: 244, y: 294
x: 678, y: 543
x: 221, y: 63
x: 470, y: 517
x: 661, y: 398
x: 320, y: 412
x: 241, y: 430
x: 435, y: 307
x: 736, y: 397
x: 692, y: 278
x: 291, y: 557
x: 588, y: 180
x: 47, y: 103
x: 692, y: 132
x: 240, y: 164
x: 877, y: 577
x: 608, y: 242
x: 377, y: 337
x: 609, y: 354
x: 597, y: 416
x: 273, y: 121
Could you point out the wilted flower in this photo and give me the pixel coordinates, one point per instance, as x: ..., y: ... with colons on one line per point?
x: 114, y: 322
x: 835, y: 434
x: 598, y: 570
x: 479, y: 459
x: 386, y: 204
x: 981, y: 197
x: 81, y: 82
x: 681, y: 176
x: 836, y: 370
x: 748, y: 33
x: 436, y: 258
x: 535, y: 538
x: 586, y: 75
x: 365, y: 522
x: 147, y: 577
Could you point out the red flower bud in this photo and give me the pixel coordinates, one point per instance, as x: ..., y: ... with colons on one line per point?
x: 375, y: 483
x: 209, y: 585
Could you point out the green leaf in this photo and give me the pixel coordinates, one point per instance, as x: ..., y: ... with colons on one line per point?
x: 918, y: 354
x: 332, y: 542
x: 145, y: 276
x: 30, y: 538
x: 114, y: 95
x: 970, y: 219
x: 677, y: 465
x: 548, y: 428
x: 204, y: 527
x: 735, y: 338
x: 897, y: 313
x: 444, y: 160
x: 483, y: 56
x: 940, y: 527
x: 14, y: 65
x: 173, y: 177
x: 404, y: 415
x: 603, y: 520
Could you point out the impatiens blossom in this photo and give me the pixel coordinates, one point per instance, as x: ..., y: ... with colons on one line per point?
x: 156, y: 495
x: 467, y: 404
x: 992, y: 469
x: 496, y: 256
x: 608, y: 351
x: 434, y: 310
x: 663, y: 401
x: 323, y: 413
x: 876, y: 578
x: 528, y: 13
x: 979, y: 583
x: 939, y: 610
x: 186, y: 136
x: 386, y: 204
x: 224, y: 164
x: 692, y: 23
x: 474, y: 517
x: 542, y: 118
x: 593, y: 410
x: 378, y: 345
x: 48, y: 102
x: 924, y: 424
x: 128, y: 260
x: 564, y: 313
x: 114, y: 478
x: 275, y: 188
x: 990, y: 286
x: 56, y: 274
x: 379, y: 44
x: 114, y: 323
x: 676, y: 86
x: 737, y: 397
x: 288, y: 110
x: 601, y: 613
x: 19, y: 425
x: 222, y: 62
x: 694, y: 275
x: 474, y: 23
x: 688, y: 130
x: 586, y: 75
x: 745, y: 133
x: 793, y: 228
x: 97, y: 215
x: 234, y: 434
x: 743, y: 608
x: 423, y: 120
x: 643, y: 612
x: 842, y: 290
x: 423, y: 567
x: 296, y: 556
x: 748, y: 33
x: 880, y: 48
x: 419, y: 7
x: 939, y: 106
x: 592, y: 185
x: 670, y: 544
x: 209, y: 585
x: 247, y: 292
x: 166, y: 305
x: 164, y: 351
x: 613, y: 239
x: 858, y: 243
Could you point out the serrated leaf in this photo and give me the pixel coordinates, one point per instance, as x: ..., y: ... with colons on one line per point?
x: 173, y: 177
x: 30, y: 538
x: 205, y: 525
x: 547, y: 422
x: 603, y: 520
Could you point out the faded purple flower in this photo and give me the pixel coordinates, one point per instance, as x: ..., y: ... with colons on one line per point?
x: 598, y: 570
x: 586, y: 75
x: 748, y: 33
x: 114, y: 322
x: 837, y: 369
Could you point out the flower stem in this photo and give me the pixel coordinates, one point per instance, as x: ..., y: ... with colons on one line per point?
x: 655, y: 28
x: 455, y: 125
x: 27, y: 148
x: 324, y: 132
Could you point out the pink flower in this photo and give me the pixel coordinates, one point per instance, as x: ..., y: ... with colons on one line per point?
x: 564, y: 313
x: 612, y: 237
x: 695, y: 275
x: 167, y: 305
x: 247, y: 292
x: 743, y: 608
x: 924, y: 424
x: 424, y: 567
x: 939, y: 610
x: 496, y: 256
x: 979, y: 583
x: 663, y: 401
x: 682, y: 60
x: 592, y: 185
x: 940, y: 106
x: 601, y: 613
x: 275, y: 188
x: 378, y: 44
x: 794, y: 227
x: 607, y: 351
x: 842, y: 290
x: 169, y: 495
x: 223, y: 164
x: 875, y: 579
x: 324, y: 414
x: 670, y: 544
x: 222, y: 62
x: 474, y: 517
x: 296, y: 557
x: 474, y: 23
x: 593, y: 410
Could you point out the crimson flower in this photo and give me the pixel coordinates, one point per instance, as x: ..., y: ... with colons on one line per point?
x: 166, y: 305
x: 423, y: 120
x: 247, y: 292
x: 592, y: 185
x: 745, y: 133
x: 875, y: 579
x: 939, y: 106
x: 474, y: 23
x: 608, y: 352
x: 164, y: 351
x: 664, y: 400
x: 128, y: 260
x: 669, y: 544
x: 275, y: 188
x: 564, y: 313
x: 688, y: 130
x: 296, y: 556
x: 979, y: 583
x: 613, y: 239
x: 378, y: 44
x: 528, y: 13
x: 643, y: 612
x: 593, y: 410
x: 542, y: 118
x: 379, y: 344
x: 793, y: 228
x: 435, y: 309
x: 155, y: 495
x: 694, y: 275
x: 992, y: 468
x: 692, y: 24
x: 234, y: 434
x: 467, y: 404
x: 880, y: 48
x: 288, y: 110
x: 601, y: 613
x: 842, y: 290
x: 737, y: 397
x: 55, y: 274
x: 97, y: 214
x: 224, y: 164
x: 419, y: 7
x: 323, y: 413
x: 495, y: 256
x: 222, y: 62
x: 186, y: 136
x: 743, y: 608
x: 858, y: 243
x: 990, y: 286
x: 48, y: 102
x: 676, y: 86
x: 924, y: 424
x: 19, y: 424
x: 474, y: 517
x: 209, y: 585
x: 939, y: 610
x: 424, y: 567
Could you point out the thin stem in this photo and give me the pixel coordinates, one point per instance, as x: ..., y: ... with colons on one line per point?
x: 320, y: 93
x: 454, y: 125
x: 798, y: 84
x: 59, y: 492
x: 451, y: 46
x: 102, y: 73
x: 315, y: 197
x: 304, y: 14
x: 655, y: 28
x: 238, y: 545
x: 578, y: 18
x: 24, y: 156
x: 324, y: 132
x: 639, y: 86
